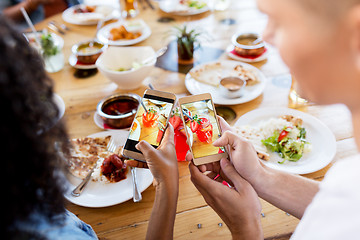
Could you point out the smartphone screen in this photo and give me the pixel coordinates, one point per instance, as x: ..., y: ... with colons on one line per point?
x: 202, y: 127
x: 150, y: 121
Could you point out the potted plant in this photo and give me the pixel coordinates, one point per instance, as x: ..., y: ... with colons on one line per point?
x: 188, y: 40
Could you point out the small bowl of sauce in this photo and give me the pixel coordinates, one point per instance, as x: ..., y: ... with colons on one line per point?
x: 232, y: 87
x: 88, y: 52
x: 248, y: 44
x: 118, y: 111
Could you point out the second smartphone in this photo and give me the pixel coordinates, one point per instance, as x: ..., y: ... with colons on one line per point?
x: 202, y: 128
x: 150, y: 122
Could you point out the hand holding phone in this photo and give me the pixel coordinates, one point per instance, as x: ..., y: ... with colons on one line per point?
x: 150, y: 122
x: 202, y: 128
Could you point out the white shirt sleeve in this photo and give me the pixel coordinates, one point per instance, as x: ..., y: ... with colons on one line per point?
x: 334, y: 212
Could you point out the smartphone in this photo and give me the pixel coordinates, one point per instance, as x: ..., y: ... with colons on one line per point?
x: 150, y: 122
x: 202, y: 128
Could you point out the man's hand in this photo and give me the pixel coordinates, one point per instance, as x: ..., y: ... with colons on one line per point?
x: 239, y: 207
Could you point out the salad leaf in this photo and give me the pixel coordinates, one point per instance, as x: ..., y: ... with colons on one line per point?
x: 302, y: 134
x: 288, y: 148
x: 272, y: 142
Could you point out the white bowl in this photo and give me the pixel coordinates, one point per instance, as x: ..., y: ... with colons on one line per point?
x: 114, y: 58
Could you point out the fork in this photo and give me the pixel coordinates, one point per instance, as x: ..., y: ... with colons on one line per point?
x: 111, y: 147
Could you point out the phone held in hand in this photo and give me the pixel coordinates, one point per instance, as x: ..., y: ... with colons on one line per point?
x: 202, y: 128
x: 150, y: 122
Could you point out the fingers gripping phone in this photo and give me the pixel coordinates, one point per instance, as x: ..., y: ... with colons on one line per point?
x: 150, y: 122
x: 202, y: 128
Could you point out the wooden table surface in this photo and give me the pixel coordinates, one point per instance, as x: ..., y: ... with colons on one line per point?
x: 129, y: 220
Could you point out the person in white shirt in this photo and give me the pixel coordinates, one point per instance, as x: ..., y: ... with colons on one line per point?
x: 320, y: 42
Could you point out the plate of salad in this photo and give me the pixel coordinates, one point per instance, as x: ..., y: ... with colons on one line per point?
x: 184, y: 7
x: 287, y: 139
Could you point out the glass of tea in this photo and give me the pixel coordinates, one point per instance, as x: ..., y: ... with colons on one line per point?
x: 129, y: 8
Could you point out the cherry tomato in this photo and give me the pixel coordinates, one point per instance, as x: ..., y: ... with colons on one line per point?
x: 282, y: 135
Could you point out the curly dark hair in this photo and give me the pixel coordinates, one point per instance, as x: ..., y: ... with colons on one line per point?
x: 30, y: 133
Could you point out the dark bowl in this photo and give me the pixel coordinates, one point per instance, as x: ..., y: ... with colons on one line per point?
x: 115, y: 117
x: 248, y: 50
x: 86, y: 54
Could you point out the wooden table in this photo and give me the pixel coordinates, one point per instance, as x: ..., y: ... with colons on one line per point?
x: 194, y: 219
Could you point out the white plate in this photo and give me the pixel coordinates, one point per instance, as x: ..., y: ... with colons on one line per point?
x: 69, y: 16
x: 73, y: 62
x: 250, y: 60
x: 318, y: 134
x: 175, y: 8
x: 104, y: 33
x: 107, y: 194
x: 250, y: 93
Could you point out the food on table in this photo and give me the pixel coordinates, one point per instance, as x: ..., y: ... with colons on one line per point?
x: 246, y: 75
x: 248, y: 45
x: 88, y: 13
x: 249, y: 40
x: 85, y: 9
x: 135, y: 65
x: 48, y: 47
x: 212, y: 74
x: 113, y: 168
x: 193, y: 3
x: 149, y: 118
x: 88, y: 52
x: 121, y: 33
x: 202, y: 127
x: 120, y: 107
x: 89, y: 152
x: 284, y: 135
x: 89, y: 48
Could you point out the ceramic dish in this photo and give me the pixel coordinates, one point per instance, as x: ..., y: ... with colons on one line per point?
x: 132, y: 26
x: 234, y: 56
x: 106, y: 12
x: 75, y: 64
x: 250, y: 92
x: 176, y: 8
x: 98, y: 194
x: 322, y: 140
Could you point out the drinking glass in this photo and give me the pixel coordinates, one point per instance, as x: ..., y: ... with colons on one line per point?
x: 54, y: 63
x: 129, y: 8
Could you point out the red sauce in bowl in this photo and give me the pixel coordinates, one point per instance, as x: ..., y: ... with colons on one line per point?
x: 119, y: 107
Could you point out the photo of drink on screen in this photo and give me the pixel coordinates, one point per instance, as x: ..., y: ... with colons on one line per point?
x: 201, y: 123
x: 149, y: 124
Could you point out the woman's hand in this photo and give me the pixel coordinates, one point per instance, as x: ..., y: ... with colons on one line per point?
x: 239, y: 207
x: 162, y: 161
x: 163, y: 165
